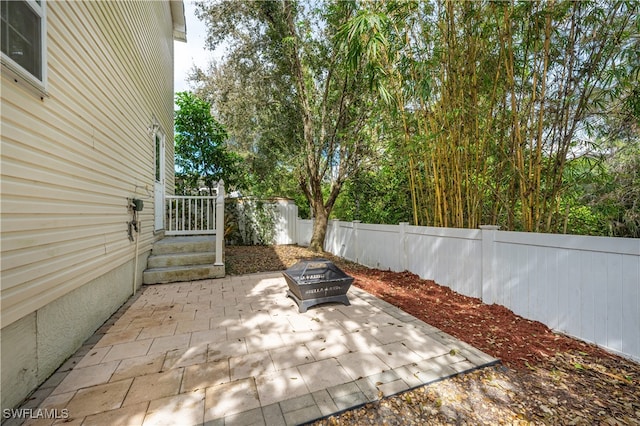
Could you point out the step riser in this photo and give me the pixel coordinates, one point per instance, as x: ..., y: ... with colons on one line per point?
x: 183, y: 274
x: 181, y: 247
x: 180, y: 259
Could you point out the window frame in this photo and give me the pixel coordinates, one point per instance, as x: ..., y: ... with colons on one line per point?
x: 16, y: 71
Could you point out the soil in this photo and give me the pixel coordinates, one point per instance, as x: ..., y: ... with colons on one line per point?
x: 544, y: 377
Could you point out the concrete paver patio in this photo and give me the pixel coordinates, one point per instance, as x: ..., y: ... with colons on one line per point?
x: 237, y: 351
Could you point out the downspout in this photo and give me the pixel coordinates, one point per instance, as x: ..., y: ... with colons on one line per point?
x: 135, y: 267
x: 135, y: 205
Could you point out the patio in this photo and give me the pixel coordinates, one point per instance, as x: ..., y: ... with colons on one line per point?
x: 236, y: 351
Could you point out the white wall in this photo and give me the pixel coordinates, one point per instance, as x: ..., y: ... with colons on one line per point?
x: 587, y: 287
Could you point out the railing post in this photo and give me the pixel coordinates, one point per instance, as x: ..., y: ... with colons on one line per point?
x: 219, y: 222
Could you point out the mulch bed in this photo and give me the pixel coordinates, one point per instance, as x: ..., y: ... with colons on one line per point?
x: 545, y: 377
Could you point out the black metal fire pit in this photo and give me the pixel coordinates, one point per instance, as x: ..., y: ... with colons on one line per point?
x: 316, y: 281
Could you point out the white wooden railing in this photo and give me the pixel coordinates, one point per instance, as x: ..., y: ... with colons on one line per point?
x: 197, y: 215
x: 190, y: 215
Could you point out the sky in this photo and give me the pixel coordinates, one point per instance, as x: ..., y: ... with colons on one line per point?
x: 193, y: 51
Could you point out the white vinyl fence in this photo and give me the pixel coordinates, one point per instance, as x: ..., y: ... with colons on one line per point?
x: 286, y: 221
x: 587, y: 287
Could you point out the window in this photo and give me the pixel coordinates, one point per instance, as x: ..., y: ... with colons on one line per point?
x: 158, y: 157
x: 23, y: 39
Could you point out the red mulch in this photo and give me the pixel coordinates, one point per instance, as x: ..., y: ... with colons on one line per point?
x: 494, y: 329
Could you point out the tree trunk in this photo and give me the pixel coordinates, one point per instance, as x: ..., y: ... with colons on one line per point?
x: 319, y: 229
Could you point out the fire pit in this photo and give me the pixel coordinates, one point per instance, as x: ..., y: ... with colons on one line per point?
x: 316, y: 281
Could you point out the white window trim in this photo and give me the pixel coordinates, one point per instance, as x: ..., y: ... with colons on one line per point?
x: 21, y: 75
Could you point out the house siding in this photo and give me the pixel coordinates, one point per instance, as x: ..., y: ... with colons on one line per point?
x: 70, y: 160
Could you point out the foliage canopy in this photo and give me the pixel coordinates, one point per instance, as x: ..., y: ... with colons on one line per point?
x: 523, y: 114
x: 310, y: 109
x: 201, y: 156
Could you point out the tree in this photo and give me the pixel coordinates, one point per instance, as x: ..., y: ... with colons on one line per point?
x: 617, y: 195
x: 201, y: 156
x: 261, y: 128
x: 292, y: 50
x: 493, y: 110
x: 495, y: 99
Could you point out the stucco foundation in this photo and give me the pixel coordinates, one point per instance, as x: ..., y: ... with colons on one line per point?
x: 33, y: 347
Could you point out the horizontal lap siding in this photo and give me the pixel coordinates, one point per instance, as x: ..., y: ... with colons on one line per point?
x: 70, y: 161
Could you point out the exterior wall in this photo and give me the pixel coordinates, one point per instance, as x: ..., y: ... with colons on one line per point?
x: 19, y: 359
x: 33, y: 347
x: 587, y: 287
x: 69, y: 162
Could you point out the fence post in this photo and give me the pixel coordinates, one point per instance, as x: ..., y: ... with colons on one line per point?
x: 293, y: 217
x: 355, y: 241
x: 332, y: 237
x: 403, y: 246
x: 488, y: 291
x: 219, y: 222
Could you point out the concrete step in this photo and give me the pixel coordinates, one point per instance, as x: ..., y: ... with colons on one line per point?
x: 190, y: 244
x: 182, y: 273
x: 183, y: 258
x: 180, y: 259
